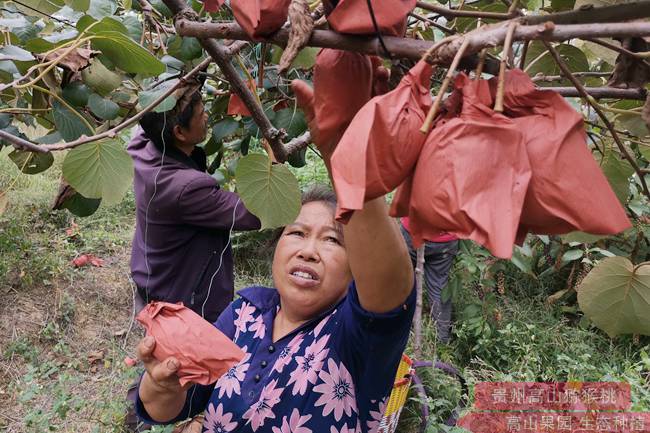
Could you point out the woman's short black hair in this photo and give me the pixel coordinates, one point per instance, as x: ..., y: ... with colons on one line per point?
x: 159, y: 127
x: 315, y: 193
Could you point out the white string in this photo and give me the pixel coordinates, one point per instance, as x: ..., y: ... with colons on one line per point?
x: 146, y: 213
x: 232, y: 225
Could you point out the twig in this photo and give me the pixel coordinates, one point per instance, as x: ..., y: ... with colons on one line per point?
x: 619, y: 49
x: 451, y: 13
x: 507, y: 46
x: 590, y: 14
x: 21, y: 144
x: 443, y: 88
x: 602, y: 92
x: 440, y: 27
x: 481, y: 63
x: 417, y: 322
x: 550, y: 78
x: 113, y: 132
x: 524, y: 52
x: 578, y: 85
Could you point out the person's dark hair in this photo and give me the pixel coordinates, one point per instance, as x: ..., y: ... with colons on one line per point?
x: 152, y: 123
x: 314, y: 193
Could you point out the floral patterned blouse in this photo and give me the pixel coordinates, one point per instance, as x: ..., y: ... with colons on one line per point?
x: 331, y: 375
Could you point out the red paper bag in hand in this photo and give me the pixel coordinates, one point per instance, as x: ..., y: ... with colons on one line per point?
x: 567, y: 190
x: 235, y: 103
x: 381, y: 145
x: 353, y: 16
x: 260, y: 18
x: 204, y: 352
x: 472, y: 175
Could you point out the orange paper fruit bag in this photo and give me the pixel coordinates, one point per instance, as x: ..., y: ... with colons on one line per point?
x: 260, y: 17
x: 381, y: 145
x: 204, y: 352
x: 353, y: 16
x: 568, y: 191
x: 472, y: 175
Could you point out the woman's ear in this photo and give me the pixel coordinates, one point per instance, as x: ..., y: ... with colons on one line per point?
x: 177, y: 131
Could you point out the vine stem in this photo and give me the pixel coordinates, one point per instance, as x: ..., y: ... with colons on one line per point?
x: 578, y: 85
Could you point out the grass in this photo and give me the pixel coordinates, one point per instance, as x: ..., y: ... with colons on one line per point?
x: 64, y: 332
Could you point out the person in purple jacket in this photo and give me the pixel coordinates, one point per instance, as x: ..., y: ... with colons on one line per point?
x: 181, y: 248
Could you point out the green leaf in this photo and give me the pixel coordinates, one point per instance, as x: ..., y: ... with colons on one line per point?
x: 81, y: 206
x: 572, y: 255
x: 292, y: 121
x: 133, y: 26
x: 70, y: 126
x: 562, y: 5
x: 38, y: 45
x: 79, y: 5
x: 297, y: 159
x: 305, y: 59
x: 100, y: 79
x: 269, y: 191
x: 103, y: 108
x: 184, y: 48
x: 148, y: 96
x: 15, y: 53
x: 615, y: 295
x: 618, y: 174
x: 539, y: 60
x: 76, y: 93
x: 31, y: 162
x: 126, y: 54
x: 39, y: 8
x: 583, y: 238
x: 101, y: 8
x: 224, y: 128
x: 99, y: 170
x: 105, y: 24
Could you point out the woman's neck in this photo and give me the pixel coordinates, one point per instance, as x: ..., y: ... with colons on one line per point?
x: 284, y: 324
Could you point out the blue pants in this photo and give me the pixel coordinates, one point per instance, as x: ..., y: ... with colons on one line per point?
x: 438, y: 259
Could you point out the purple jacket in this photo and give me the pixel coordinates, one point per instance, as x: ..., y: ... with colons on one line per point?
x: 187, y: 255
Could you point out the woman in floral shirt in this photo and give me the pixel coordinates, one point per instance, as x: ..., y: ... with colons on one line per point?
x: 322, y: 348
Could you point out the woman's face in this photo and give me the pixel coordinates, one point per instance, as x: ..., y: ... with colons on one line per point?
x: 310, y: 265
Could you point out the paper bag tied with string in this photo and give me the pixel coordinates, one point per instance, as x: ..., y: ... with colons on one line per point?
x: 568, y: 191
x: 382, y: 143
x: 204, y: 352
x: 472, y: 175
x: 260, y: 18
x: 353, y: 16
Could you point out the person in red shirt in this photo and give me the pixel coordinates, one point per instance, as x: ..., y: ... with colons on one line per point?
x: 439, y: 254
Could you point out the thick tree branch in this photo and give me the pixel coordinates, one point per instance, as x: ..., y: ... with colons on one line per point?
x: 488, y: 36
x: 127, y: 123
x: 601, y: 92
x: 578, y: 85
x: 21, y: 144
x: 298, y: 143
x: 220, y: 55
x: 398, y: 47
x: 590, y: 14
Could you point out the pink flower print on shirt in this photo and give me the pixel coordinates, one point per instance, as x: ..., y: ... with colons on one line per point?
x: 263, y: 409
x: 295, y: 424
x: 218, y: 422
x: 308, y: 366
x: 258, y: 327
x: 337, y: 390
x: 376, y: 416
x: 322, y: 324
x: 344, y: 429
x: 230, y: 383
x: 244, y: 315
x: 285, y: 357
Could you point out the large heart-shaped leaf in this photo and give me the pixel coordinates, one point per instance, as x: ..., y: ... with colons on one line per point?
x: 270, y: 191
x: 103, y: 108
x: 618, y: 174
x: 126, y: 54
x: 68, y: 122
x: 615, y: 295
x: 99, y: 170
x: 100, y: 79
x: 31, y: 162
